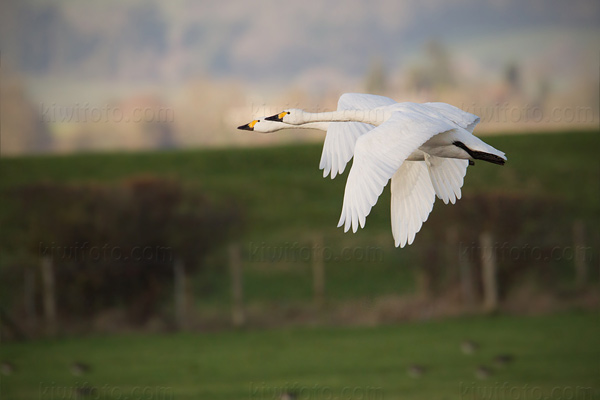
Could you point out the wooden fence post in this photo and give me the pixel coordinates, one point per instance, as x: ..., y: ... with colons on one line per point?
x: 49, y: 295
x: 579, y: 253
x: 179, y: 286
x: 318, y: 267
x: 452, y: 271
x: 489, y: 272
x: 467, y: 284
x: 465, y: 272
x: 237, y: 295
x: 29, y: 296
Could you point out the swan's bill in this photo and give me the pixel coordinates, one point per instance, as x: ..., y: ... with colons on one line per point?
x: 277, y: 117
x: 249, y: 126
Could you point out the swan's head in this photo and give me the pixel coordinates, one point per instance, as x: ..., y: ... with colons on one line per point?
x: 292, y: 116
x: 263, y: 126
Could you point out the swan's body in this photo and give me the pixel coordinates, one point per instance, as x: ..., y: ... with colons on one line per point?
x: 381, y: 134
x: 444, y: 144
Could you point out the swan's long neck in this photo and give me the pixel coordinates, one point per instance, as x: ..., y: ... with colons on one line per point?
x: 374, y: 116
x: 320, y: 125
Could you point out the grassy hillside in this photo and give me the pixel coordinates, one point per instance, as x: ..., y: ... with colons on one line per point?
x: 557, y: 353
x: 288, y: 204
x: 282, y: 187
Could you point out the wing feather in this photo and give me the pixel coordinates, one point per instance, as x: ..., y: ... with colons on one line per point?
x: 341, y: 137
x: 377, y: 157
x: 461, y: 118
x: 412, y: 201
x: 447, y: 177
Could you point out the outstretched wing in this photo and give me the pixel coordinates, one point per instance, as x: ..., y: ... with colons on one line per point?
x: 461, y: 118
x: 341, y: 136
x: 412, y: 201
x: 447, y: 177
x: 362, y: 101
x: 379, y: 154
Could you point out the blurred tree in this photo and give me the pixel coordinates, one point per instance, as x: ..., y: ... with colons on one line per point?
x: 523, y: 232
x: 115, y: 245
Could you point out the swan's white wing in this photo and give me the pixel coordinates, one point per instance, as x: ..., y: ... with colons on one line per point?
x: 447, y: 177
x: 412, y: 201
x: 461, y: 118
x: 378, y: 155
x: 362, y: 101
x: 341, y: 136
x: 338, y: 147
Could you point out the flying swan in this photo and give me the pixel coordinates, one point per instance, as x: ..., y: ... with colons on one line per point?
x: 434, y: 139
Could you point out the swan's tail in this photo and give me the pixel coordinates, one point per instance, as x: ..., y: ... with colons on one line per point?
x: 490, y: 155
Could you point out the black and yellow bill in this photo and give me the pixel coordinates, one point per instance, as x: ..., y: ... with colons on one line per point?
x: 249, y: 126
x: 277, y: 117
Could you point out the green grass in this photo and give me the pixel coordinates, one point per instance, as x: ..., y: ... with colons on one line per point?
x: 560, y: 351
x: 284, y: 183
x: 288, y: 203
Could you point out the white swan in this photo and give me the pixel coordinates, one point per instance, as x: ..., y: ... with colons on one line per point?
x: 447, y: 176
x: 402, y: 128
x: 412, y: 190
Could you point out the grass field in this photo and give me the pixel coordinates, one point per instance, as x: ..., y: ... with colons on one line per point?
x: 555, y: 357
x: 287, y: 203
x: 285, y: 184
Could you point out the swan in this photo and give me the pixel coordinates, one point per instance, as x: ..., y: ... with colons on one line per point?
x: 399, y: 130
x: 456, y: 142
x: 412, y: 194
x: 447, y: 177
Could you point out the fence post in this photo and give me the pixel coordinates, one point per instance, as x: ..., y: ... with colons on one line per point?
x: 49, y: 295
x: 465, y: 272
x: 452, y: 267
x: 179, y: 285
x: 29, y: 296
x: 237, y: 296
x: 489, y: 272
x: 318, y: 267
x: 579, y: 253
